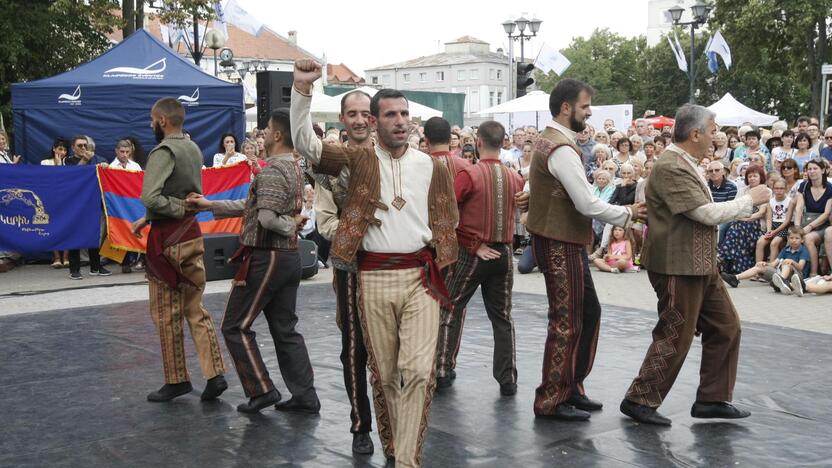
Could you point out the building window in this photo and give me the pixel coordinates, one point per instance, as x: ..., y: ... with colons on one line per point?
x: 406, y: 77
x: 385, y: 79
x: 499, y: 97
x: 475, y: 74
x: 423, y: 77
x: 475, y: 101
x: 499, y: 74
x: 491, y: 99
x: 460, y: 75
x: 440, y: 76
x: 492, y: 74
x: 375, y: 80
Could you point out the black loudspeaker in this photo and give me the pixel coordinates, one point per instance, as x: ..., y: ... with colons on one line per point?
x: 218, y: 249
x: 274, y: 90
x: 308, y: 251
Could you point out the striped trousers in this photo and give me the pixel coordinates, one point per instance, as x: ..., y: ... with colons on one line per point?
x: 400, y: 323
x: 353, y: 352
x: 170, y: 307
x: 271, y: 287
x: 496, y: 279
x: 574, y: 320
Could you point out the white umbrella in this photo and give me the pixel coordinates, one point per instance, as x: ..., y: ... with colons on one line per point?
x: 729, y: 111
x: 328, y: 110
x: 535, y: 101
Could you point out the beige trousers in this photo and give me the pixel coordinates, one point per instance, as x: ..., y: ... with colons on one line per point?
x: 400, y: 323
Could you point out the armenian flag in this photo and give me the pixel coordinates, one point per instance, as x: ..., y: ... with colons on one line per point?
x: 121, y: 191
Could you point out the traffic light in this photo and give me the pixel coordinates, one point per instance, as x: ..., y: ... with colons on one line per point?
x: 524, y: 77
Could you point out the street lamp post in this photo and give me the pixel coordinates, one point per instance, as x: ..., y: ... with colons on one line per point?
x: 520, y: 24
x: 699, y: 12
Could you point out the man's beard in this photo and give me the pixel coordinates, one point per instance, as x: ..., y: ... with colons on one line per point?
x: 158, y: 133
x: 575, y: 125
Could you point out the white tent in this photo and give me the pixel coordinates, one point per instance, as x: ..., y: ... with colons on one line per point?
x: 729, y: 111
x: 533, y: 109
x: 319, y: 101
x: 327, y: 110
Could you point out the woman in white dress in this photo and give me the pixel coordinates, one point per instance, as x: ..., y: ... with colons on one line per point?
x: 229, y: 151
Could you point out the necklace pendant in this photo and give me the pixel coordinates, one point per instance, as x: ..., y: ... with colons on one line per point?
x: 398, y: 203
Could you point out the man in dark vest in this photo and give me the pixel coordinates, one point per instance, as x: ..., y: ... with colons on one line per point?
x: 175, y: 273
x: 561, y: 209
x: 680, y: 256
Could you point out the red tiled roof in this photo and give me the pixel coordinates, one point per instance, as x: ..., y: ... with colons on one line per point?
x: 340, y: 73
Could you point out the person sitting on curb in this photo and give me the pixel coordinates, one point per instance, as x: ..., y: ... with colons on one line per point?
x: 786, y: 272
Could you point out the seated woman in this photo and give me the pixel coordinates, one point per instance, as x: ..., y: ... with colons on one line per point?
x: 601, y: 153
x: 737, y: 250
x: 813, y: 208
x: 778, y: 214
x: 786, y: 272
x: 619, y: 256
x: 229, y: 151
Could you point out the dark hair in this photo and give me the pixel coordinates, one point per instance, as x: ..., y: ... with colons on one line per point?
x: 801, y: 136
x: 60, y: 142
x: 353, y: 93
x: 80, y: 137
x: 386, y: 93
x: 491, y: 134
x: 567, y: 91
x: 236, y: 143
x: 752, y: 133
x: 139, y: 155
x: 280, y: 121
x: 648, y: 143
x: 804, y: 118
x: 171, y: 109
x: 623, y: 140
x: 756, y: 169
x: 822, y: 165
x: 786, y: 133
x: 438, y: 131
x: 468, y: 148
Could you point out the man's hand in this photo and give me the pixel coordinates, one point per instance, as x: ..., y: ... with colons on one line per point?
x: 759, y: 195
x: 521, y: 200
x: 485, y: 252
x: 196, y: 202
x: 639, y: 211
x: 137, y: 226
x: 307, y: 71
x: 300, y: 220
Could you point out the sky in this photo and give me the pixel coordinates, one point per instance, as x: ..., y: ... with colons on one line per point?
x: 373, y: 33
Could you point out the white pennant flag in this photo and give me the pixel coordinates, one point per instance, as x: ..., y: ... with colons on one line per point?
x: 550, y: 58
x: 677, y: 52
x: 219, y: 23
x: 718, y: 46
x: 241, y: 18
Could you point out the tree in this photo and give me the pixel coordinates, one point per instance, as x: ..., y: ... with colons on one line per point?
x: 189, y: 13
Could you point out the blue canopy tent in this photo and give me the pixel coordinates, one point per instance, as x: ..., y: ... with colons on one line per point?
x: 110, y: 97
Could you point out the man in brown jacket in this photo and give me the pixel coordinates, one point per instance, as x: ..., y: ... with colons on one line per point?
x: 680, y: 256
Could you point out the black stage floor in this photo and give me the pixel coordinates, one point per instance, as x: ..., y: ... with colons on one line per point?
x: 73, y: 386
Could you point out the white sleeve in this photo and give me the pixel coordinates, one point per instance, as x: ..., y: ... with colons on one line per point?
x: 713, y: 214
x: 567, y: 167
x: 304, y: 138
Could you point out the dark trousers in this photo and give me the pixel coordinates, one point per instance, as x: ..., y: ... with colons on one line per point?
x: 353, y: 352
x: 574, y: 319
x: 495, y: 278
x: 75, y: 260
x: 271, y: 287
x: 690, y: 304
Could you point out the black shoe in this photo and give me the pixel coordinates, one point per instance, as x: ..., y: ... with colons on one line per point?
x: 444, y: 382
x: 508, y: 389
x: 582, y: 402
x: 730, y: 279
x: 296, y: 406
x: 214, y: 388
x: 101, y: 271
x: 75, y: 275
x: 362, y: 444
x: 170, y: 391
x: 126, y: 269
x: 566, y: 412
x: 717, y: 409
x: 452, y: 374
x: 643, y: 414
x: 255, y: 404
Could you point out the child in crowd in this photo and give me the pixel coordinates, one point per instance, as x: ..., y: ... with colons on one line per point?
x: 778, y: 216
x: 786, y: 272
x: 619, y: 257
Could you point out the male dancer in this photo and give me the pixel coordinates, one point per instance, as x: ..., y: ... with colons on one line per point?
x: 680, y: 256
x: 268, y: 278
x: 561, y: 208
x: 485, y: 197
x: 355, y: 113
x: 175, y: 273
x: 400, y: 212
x: 438, y: 137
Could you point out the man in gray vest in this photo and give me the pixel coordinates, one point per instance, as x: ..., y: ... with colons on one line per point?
x: 561, y: 209
x: 680, y: 256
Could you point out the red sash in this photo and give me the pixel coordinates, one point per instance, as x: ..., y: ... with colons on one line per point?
x: 163, y: 234
x: 432, y: 279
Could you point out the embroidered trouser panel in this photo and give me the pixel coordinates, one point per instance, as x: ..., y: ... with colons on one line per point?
x: 353, y: 352
x: 170, y: 307
x: 400, y: 321
x: 495, y: 278
x: 690, y: 304
x: 574, y: 319
x: 271, y: 288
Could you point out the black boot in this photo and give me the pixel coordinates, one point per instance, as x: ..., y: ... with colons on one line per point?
x: 362, y: 443
x: 214, y: 388
x: 255, y: 404
x: 170, y: 391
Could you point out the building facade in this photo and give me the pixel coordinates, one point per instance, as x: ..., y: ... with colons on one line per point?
x: 466, y: 66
